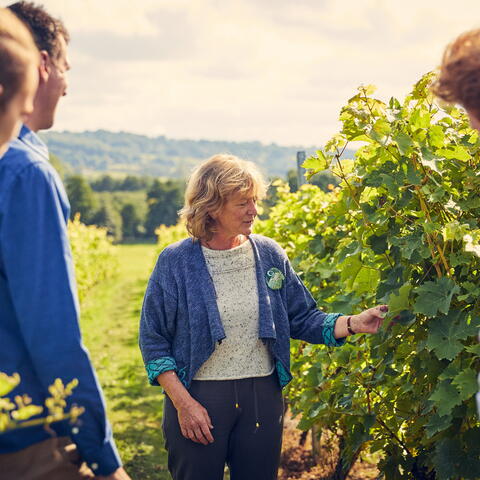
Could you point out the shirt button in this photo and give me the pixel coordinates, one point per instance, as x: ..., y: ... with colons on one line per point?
x: 75, y: 430
x: 94, y: 466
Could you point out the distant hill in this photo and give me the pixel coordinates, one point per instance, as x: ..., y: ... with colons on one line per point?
x: 103, y: 151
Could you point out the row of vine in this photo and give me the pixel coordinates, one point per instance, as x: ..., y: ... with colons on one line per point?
x: 402, y: 228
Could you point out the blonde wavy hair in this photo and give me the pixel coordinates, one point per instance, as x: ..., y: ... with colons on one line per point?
x: 211, y: 184
x: 459, y: 77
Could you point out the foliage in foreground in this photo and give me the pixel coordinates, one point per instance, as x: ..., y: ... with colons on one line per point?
x: 402, y: 229
x: 19, y: 413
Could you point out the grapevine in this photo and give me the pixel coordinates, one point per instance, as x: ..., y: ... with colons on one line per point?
x: 402, y: 228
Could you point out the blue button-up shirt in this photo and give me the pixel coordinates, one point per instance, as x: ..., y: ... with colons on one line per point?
x: 39, y: 332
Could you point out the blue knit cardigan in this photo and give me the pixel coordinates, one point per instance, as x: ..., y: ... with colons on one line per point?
x: 180, y: 323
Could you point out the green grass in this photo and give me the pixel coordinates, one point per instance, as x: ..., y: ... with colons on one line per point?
x: 110, y: 316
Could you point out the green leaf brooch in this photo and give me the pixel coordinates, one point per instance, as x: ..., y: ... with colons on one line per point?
x: 275, y: 278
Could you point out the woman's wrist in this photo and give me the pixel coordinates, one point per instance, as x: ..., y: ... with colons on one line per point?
x: 349, y: 325
x: 341, y: 329
x: 175, y: 389
x: 354, y: 326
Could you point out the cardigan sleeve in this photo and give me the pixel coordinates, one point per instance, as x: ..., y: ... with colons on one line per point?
x: 157, y: 326
x: 307, y: 322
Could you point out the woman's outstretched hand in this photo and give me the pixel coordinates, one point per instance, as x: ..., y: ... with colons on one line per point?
x: 369, y: 321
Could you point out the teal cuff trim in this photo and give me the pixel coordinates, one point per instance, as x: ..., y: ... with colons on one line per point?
x: 283, y: 376
x: 328, y: 328
x: 156, y: 367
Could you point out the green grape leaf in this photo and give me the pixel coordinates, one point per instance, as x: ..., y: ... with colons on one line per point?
x: 419, y: 119
x: 474, y: 349
x: 368, y: 89
x: 380, y: 130
x: 450, y: 372
x: 403, y: 141
x: 471, y: 467
x: 400, y: 301
x: 436, y: 136
x: 448, y: 458
x: 350, y: 268
x: 410, y: 244
x: 445, y: 333
x: 393, y: 281
x: 405, y: 317
x: 378, y: 243
x: 466, y: 383
x: 436, y: 424
x: 457, y: 152
x: 318, y: 162
x: 436, y: 296
x: 445, y: 397
x: 366, y: 280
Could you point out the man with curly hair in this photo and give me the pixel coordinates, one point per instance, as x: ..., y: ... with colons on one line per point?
x: 39, y: 332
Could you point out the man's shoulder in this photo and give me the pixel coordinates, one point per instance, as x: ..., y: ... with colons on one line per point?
x: 20, y: 157
x: 21, y: 163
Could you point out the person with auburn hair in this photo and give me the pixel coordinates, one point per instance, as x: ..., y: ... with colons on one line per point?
x: 19, y: 60
x: 39, y: 332
x: 459, y: 82
x: 217, y: 318
x: 459, y: 77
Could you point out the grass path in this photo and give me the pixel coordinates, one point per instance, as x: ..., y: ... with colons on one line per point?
x: 109, y: 323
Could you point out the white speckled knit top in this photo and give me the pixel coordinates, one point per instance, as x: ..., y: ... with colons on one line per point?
x: 241, y: 354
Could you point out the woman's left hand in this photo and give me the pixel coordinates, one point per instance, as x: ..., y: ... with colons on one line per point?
x: 369, y: 321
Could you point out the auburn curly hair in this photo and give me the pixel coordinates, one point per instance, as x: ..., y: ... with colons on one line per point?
x: 459, y: 77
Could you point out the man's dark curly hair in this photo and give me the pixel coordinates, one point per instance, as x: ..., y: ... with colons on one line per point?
x: 45, y: 29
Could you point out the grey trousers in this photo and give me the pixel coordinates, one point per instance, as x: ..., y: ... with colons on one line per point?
x: 247, y: 416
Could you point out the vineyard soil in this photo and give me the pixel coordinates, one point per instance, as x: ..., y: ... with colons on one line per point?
x: 298, y: 462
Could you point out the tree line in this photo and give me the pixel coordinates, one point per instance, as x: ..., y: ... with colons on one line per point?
x: 132, y: 207
x: 126, y: 217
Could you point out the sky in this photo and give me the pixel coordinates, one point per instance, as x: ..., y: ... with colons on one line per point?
x: 268, y: 70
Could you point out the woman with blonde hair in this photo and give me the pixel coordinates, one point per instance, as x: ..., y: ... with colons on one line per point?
x: 19, y: 60
x: 218, y: 314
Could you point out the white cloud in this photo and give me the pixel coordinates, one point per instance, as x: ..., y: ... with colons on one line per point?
x: 272, y: 70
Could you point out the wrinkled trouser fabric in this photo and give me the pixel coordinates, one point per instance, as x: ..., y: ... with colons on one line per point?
x: 251, y: 452
x: 52, y: 459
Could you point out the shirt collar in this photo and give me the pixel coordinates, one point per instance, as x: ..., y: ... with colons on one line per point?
x: 33, y: 141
